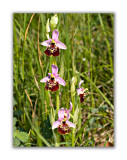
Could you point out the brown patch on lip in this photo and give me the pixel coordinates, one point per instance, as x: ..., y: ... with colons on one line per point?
x: 64, y: 128
x: 82, y: 98
x: 52, y: 50
x: 52, y: 85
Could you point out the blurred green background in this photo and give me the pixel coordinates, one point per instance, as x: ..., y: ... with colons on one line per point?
x: 89, y: 56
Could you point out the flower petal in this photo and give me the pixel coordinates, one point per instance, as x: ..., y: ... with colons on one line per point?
x: 60, y: 81
x: 68, y: 115
x: 80, y: 83
x: 55, y: 35
x: 55, y: 76
x: 49, y: 74
x: 70, y: 107
x: 61, y: 114
x: 45, y: 79
x: 80, y: 91
x: 55, y: 124
x: 70, y: 124
x: 46, y: 43
x: 61, y: 45
x: 54, y: 70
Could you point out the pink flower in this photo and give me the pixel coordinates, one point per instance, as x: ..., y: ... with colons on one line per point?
x: 62, y: 123
x: 53, y: 45
x: 53, y: 80
x: 81, y: 92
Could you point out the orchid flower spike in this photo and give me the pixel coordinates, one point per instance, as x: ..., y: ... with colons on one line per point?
x: 53, y: 80
x: 62, y: 123
x: 53, y: 45
x: 81, y: 92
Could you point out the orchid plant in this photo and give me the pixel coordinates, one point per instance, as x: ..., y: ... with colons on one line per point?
x: 81, y: 91
x: 62, y: 123
x: 53, y: 45
x: 53, y: 80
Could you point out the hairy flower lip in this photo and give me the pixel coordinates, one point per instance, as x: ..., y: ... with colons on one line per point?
x: 82, y: 98
x: 52, y: 50
x: 51, y: 86
x: 64, y: 129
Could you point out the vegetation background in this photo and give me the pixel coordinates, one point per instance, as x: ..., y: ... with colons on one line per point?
x: 89, y: 56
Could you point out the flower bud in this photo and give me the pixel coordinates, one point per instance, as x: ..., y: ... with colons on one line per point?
x: 53, y: 22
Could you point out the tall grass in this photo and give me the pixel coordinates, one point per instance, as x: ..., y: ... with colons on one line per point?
x: 89, y: 56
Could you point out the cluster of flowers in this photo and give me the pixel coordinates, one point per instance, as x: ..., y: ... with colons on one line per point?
x: 52, y: 84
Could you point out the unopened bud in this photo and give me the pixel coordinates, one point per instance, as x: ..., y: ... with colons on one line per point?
x: 53, y: 22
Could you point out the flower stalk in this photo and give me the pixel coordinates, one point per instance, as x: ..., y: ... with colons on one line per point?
x: 57, y: 101
x: 57, y: 108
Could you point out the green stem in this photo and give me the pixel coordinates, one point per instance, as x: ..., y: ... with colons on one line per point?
x: 57, y: 101
x: 73, y: 130
x: 57, y: 108
x: 43, y: 102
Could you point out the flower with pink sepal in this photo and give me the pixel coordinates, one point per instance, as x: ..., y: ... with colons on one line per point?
x: 53, y: 80
x: 62, y: 123
x: 81, y: 92
x: 53, y: 45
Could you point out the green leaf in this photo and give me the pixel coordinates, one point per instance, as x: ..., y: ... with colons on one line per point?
x: 21, y: 145
x: 46, y: 129
x: 18, y: 112
x: 14, y: 129
x: 94, y: 110
x: 52, y: 116
x: 47, y: 26
x: 22, y: 136
x: 92, y: 120
x: 103, y: 108
x: 14, y: 121
x: 14, y: 102
x: 16, y: 142
x: 47, y: 29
